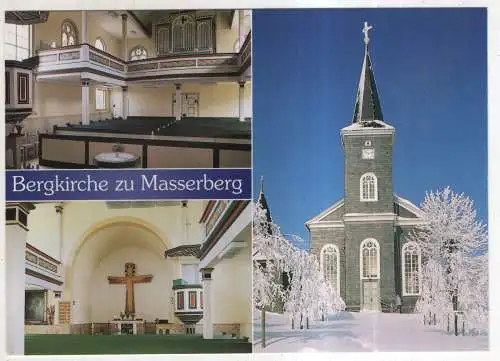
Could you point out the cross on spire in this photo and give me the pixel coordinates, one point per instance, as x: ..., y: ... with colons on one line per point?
x: 367, y: 107
x: 366, y: 29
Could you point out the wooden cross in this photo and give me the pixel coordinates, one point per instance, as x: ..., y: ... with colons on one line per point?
x: 129, y: 280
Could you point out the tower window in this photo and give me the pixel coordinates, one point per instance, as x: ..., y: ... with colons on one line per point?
x: 330, y: 266
x: 411, y: 260
x: 370, y: 259
x: 368, y: 188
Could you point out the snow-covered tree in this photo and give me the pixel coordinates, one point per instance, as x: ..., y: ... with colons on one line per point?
x: 307, y: 296
x: 454, y: 247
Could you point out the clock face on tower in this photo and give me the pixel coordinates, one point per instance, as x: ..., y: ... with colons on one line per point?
x: 368, y: 153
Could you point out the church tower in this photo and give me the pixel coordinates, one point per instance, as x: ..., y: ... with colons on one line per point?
x: 368, y: 196
x: 361, y: 240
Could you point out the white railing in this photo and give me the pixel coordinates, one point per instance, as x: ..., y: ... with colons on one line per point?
x: 87, y: 58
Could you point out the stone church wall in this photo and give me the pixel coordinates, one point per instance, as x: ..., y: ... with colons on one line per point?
x: 357, y: 232
x: 323, y: 236
x: 355, y: 167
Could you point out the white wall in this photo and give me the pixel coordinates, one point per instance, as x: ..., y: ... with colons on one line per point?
x: 232, y: 291
x: 152, y: 300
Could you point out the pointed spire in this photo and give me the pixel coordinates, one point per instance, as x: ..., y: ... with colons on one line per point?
x: 367, y: 106
x: 262, y: 200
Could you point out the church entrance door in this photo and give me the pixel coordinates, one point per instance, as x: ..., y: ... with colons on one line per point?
x: 371, y: 296
x: 189, y: 106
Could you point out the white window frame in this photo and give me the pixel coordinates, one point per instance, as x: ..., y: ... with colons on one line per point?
x: 100, y: 40
x: 362, y: 197
x: 74, y: 31
x: 361, y: 259
x: 104, y: 95
x: 134, y: 49
x: 16, y: 43
x: 336, y: 252
x: 404, y: 250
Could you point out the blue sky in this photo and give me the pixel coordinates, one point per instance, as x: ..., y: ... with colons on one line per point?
x: 431, y: 73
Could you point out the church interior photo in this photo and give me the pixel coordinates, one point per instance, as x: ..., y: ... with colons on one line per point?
x: 162, y: 268
x: 122, y: 89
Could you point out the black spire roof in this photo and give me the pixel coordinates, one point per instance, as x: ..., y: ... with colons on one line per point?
x: 367, y: 108
x: 263, y: 202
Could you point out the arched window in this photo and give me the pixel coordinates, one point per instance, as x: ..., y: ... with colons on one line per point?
x: 99, y: 44
x: 330, y: 265
x: 69, y: 35
x: 369, y: 259
x: 138, y: 53
x: 411, y: 261
x: 368, y: 188
x: 184, y: 34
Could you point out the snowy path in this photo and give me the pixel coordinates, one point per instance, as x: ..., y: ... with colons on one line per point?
x: 361, y: 332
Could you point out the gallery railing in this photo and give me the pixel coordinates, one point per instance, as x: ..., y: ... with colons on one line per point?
x: 86, y: 58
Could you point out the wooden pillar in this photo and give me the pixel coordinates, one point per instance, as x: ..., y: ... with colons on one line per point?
x: 124, y: 102
x: 242, y: 101
x: 208, y: 326
x: 178, y: 102
x: 83, y: 39
x: 59, y: 212
x: 241, y: 30
x: 124, y: 37
x: 85, y: 101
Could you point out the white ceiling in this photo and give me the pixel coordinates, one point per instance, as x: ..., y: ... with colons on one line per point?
x: 111, y: 22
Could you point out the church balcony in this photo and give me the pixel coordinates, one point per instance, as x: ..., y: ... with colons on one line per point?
x: 188, y: 301
x: 42, y: 270
x: 65, y: 63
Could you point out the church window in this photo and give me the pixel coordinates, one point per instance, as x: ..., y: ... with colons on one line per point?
x: 138, y: 53
x: 69, y: 34
x: 18, y: 42
x: 180, y: 300
x: 204, y: 33
x: 184, y: 34
x: 99, y: 44
x: 370, y: 259
x: 330, y: 265
x: 100, y: 99
x: 368, y: 187
x: 368, y: 143
x: 192, y: 300
x: 411, y: 261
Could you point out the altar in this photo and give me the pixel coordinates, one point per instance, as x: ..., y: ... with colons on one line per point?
x: 129, y: 327
x: 116, y: 160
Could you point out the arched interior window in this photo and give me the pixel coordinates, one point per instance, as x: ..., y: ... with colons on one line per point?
x: 370, y: 258
x: 184, y: 34
x: 330, y: 265
x: 411, y: 261
x: 368, y: 187
x: 69, y: 34
x: 138, y: 53
x: 99, y: 44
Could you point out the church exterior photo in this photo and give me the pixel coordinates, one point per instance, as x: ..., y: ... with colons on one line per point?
x: 125, y: 267
x: 128, y: 88
x: 360, y: 240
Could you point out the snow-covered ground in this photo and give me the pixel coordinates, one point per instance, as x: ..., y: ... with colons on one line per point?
x: 360, y: 332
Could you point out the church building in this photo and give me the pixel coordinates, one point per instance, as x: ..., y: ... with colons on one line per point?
x: 131, y: 88
x: 129, y: 267
x: 361, y: 239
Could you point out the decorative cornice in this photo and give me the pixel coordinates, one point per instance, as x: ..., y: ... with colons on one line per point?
x: 369, y: 217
